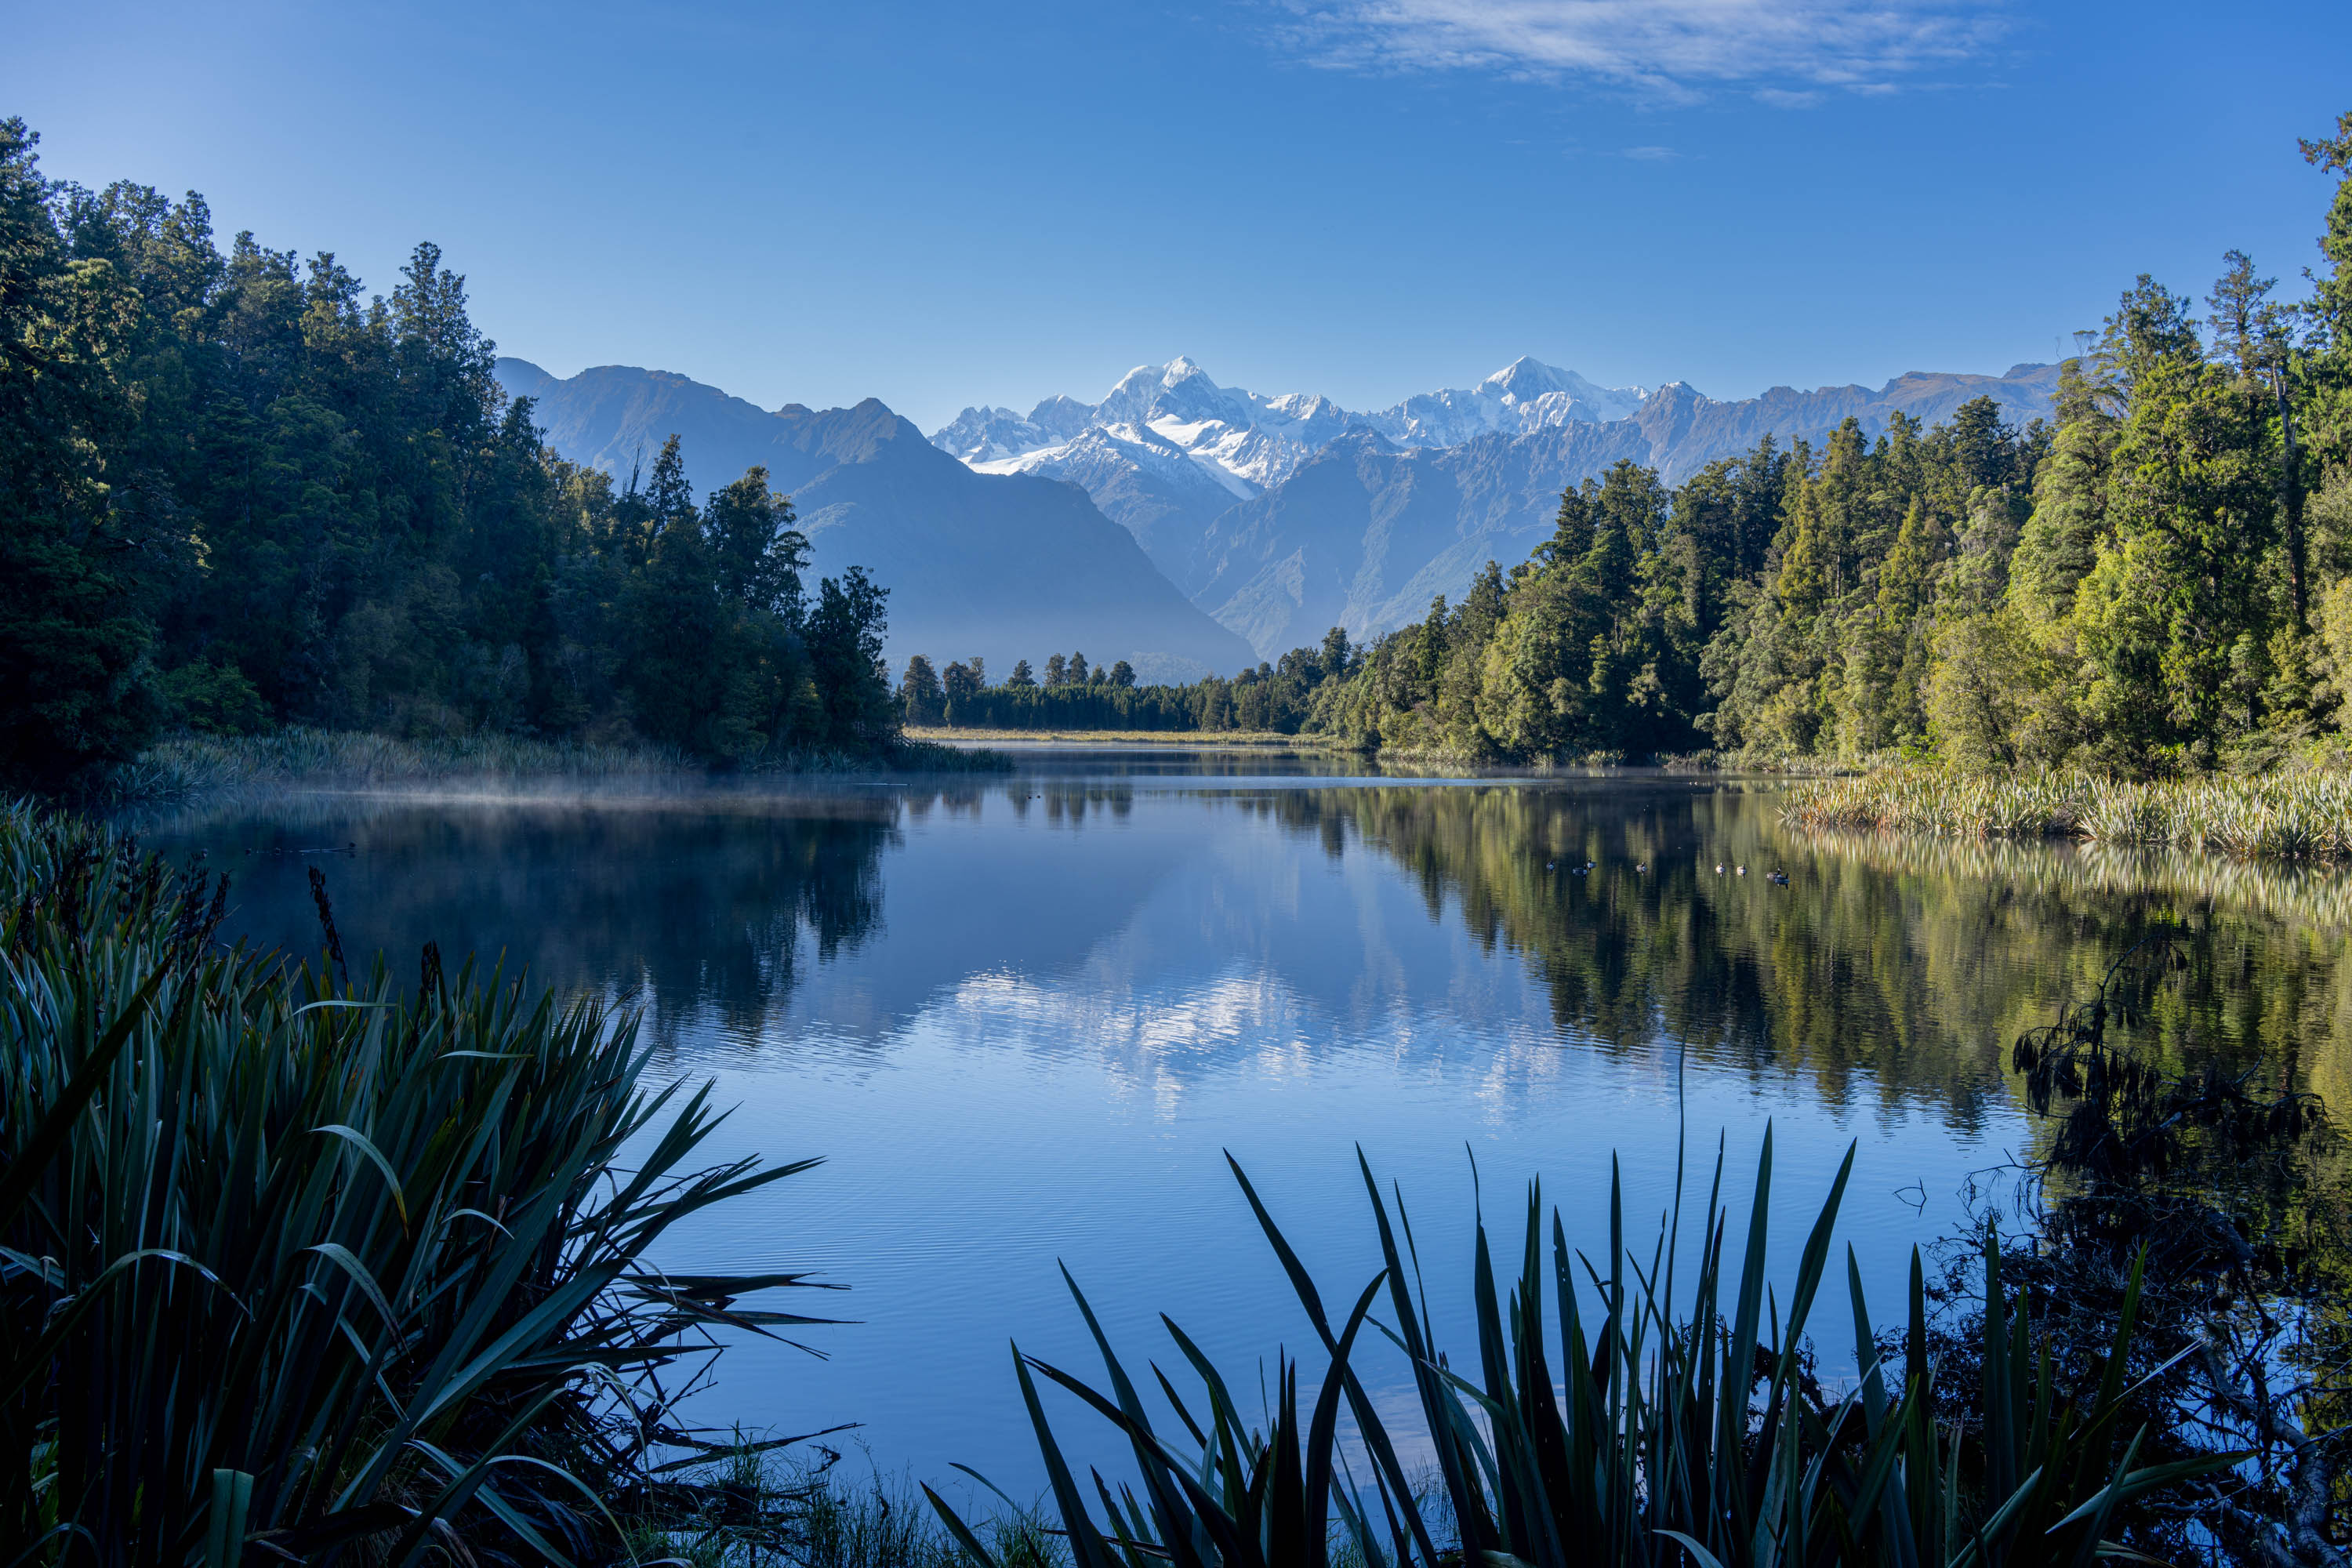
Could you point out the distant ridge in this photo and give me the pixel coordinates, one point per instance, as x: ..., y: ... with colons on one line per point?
x: 1003, y: 566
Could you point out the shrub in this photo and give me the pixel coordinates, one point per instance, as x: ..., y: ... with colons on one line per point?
x: 313, y: 1267
x: 1678, y: 1429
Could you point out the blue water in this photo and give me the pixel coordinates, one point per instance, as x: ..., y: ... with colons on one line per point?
x: 1023, y: 1020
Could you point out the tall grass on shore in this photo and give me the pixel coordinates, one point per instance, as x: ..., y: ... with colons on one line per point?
x: 2303, y: 814
x: 299, y: 1267
x: 1677, y: 1430
x: 755, y: 1507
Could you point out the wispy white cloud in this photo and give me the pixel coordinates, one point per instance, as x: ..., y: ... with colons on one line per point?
x: 1650, y: 154
x: 1677, y: 48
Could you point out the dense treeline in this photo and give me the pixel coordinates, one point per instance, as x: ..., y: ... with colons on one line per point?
x: 2159, y: 579
x: 237, y: 492
x: 1277, y: 697
x: 1652, y: 616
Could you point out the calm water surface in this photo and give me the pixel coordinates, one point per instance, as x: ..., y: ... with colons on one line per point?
x: 1023, y: 1019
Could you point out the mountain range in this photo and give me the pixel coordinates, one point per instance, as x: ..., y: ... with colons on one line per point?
x: 1186, y: 526
x: 1283, y: 516
x: 1004, y: 566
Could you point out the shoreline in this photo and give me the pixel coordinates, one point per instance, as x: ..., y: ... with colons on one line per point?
x: 1188, y: 739
x: 191, y: 767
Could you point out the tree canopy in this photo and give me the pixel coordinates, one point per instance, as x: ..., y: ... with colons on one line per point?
x: 2158, y: 578
x: 237, y: 491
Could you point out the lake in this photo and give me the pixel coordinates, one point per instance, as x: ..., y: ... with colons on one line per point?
x: 1023, y: 1019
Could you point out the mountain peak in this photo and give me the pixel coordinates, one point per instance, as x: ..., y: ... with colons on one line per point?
x: 1253, y: 440
x: 1528, y: 377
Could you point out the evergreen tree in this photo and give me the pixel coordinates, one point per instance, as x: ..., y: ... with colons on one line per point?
x: 669, y: 500
x: 75, y: 639
x: 845, y: 644
x: 960, y: 685
x: 921, y: 693
x: 758, y: 552
x: 236, y: 492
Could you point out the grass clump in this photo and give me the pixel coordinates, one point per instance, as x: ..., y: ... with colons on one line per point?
x: 295, y: 1266
x: 750, y: 1506
x: 1685, y: 1424
x: 2291, y: 815
x: 917, y: 754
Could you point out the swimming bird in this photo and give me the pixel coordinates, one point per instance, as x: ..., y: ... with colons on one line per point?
x: 1742, y: 871
x: 1719, y: 868
x: 1777, y: 876
x: 1641, y: 868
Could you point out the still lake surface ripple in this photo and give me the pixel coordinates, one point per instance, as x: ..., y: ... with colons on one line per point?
x: 1022, y: 1019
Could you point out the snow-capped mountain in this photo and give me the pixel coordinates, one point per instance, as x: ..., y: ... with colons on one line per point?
x: 1259, y: 440
x: 1524, y: 395
x: 1168, y: 450
x: 1280, y: 516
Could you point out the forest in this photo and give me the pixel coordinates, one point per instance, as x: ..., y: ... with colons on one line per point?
x: 241, y: 493
x: 1071, y: 694
x: 2156, y: 581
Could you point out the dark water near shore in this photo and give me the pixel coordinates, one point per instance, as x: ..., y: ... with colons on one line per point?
x: 1022, y: 1019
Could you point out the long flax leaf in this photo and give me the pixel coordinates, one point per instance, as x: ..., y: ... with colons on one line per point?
x: 246, y: 1257
x: 1676, y: 1436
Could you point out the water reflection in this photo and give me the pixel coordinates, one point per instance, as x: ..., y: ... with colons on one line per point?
x: 713, y: 906
x: 1898, y: 969
x: 1022, y: 1018
x: 1907, y: 963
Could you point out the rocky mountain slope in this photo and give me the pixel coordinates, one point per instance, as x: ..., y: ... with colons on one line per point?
x: 1004, y: 565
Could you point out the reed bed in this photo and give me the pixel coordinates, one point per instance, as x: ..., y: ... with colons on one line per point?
x: 2301, y: 815
x: 755, y: 1506
x: 295, y: 1266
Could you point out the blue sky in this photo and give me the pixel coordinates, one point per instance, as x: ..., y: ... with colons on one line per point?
x: 946, y: 204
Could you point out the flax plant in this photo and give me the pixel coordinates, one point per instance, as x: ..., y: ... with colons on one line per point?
x: 1683, y: 1425
x: 293, y: 1268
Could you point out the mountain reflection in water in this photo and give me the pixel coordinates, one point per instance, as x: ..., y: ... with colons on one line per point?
x: 1020, y: 1016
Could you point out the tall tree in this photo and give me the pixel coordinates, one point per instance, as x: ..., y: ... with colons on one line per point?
x: 74, y: 640
x: 759, y: 555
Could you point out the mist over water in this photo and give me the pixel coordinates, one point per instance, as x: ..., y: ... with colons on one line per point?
x: 1022, y: 1017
